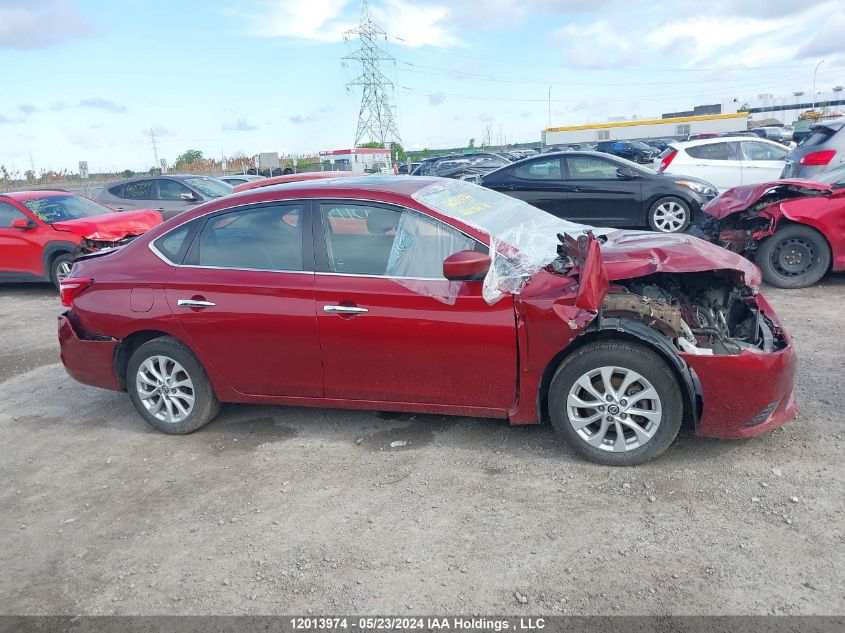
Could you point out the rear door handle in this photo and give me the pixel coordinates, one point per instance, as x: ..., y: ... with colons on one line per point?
x: 194, y: 303
x: 345, y: 309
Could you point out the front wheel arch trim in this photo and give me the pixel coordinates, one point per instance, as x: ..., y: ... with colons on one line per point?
x: 52, y: 250
x: 636, y: 331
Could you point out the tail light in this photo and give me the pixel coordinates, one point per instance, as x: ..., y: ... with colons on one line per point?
x: 667, y: 160
x: 822, y: 157
x: 72, y: 287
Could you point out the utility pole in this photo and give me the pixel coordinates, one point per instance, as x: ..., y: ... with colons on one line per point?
x: 375, y: 118
x: 814, y: 82
x: 550, y: 106
x: 156, y: 164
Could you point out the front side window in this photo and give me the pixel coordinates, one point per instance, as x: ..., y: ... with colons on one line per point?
x: 171, y: 189
x: 209, y: 187
x: 139, y: 190
x: 591, y: 168
x: 9, y: 214
x: 264, y: 238
x: 711, y: 151
x: 546, y: 169
x: 763, y: 151
x: 369, y: 240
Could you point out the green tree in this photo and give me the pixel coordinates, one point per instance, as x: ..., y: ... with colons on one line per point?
x: 128, y: 173
x: 192, y: 155
x: 471, y: 144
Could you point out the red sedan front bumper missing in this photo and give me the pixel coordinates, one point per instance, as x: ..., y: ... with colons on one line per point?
x: 90, y: 361
x: 747, y: 394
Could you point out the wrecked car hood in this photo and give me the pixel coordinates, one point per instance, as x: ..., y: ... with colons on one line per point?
x: 742, y: 197
x: 111, y: 227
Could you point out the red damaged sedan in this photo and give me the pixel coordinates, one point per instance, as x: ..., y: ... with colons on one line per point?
x: 434, y: 296
x: 793, y: 229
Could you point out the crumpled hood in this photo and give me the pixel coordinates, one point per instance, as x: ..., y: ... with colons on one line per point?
x: 742, y: 197
x: 111, y: 227
x: 628, y: 254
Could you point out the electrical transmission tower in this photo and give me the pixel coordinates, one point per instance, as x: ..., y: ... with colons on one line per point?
x: 375, y: 119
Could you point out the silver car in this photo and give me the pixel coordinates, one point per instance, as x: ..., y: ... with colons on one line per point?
x: 168, y: 194
x: 239, y: 179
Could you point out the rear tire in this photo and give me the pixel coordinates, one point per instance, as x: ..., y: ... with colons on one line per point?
x: 626, y: 389
x: 796, y: 256
x: 60, y: 267
x: 169, y: 387
x: 669, y: 215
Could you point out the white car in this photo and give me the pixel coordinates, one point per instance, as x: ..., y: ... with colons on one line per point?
x: 726, y: 161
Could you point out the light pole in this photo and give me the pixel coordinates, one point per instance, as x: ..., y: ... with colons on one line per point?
x: 814, y: 82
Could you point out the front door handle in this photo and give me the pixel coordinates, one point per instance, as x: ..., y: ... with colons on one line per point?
x: 345, y: 309
x: 194, y: 303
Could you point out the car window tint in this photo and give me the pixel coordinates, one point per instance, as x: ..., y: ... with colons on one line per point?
x: 392, y: 242
x: 139, y: 190
x: 816, y: 137
x: 117, y: 190
x: 763, y: 151
x: 546, y: 169
x: 171, y: 189
x: 711, y: 151
x: 9, y: 214
x: 591, y: 168
x: 171, y: 245
x: 265, y: 238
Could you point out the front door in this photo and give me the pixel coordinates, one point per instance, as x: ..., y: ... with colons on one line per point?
x: 598, y: 195
x: 762, y: 162
x: 392, y: 328
x: 20, y: 249
x: 245, y: 298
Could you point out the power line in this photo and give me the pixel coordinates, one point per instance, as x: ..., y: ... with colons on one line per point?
x: 375, y: 117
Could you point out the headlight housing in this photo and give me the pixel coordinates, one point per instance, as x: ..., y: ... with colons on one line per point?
x: 704, y: 190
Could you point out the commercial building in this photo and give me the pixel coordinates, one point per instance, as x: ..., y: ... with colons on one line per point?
x: 358, y: 160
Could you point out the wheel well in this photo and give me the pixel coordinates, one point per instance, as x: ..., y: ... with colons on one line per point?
x: 692, y: 400
x: 787, y: 222
x: 127, y: 347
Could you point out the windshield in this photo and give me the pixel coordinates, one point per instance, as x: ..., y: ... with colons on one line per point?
x: 523, y: 238
x: 210, y: 187
x: 59, y: 208
x: 639, y: 145
x: 835, y: 176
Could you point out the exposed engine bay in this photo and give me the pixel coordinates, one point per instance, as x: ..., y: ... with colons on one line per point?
x: 88, y: 246
x: 702, y: 313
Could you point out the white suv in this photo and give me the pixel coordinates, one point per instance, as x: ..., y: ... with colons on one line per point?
x: 726, y: 161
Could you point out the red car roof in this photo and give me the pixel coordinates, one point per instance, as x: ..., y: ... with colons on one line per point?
x: 29, y: 195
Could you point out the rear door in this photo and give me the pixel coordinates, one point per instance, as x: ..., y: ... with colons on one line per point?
x: 538, y: 182
x: 597, y: 195
x: 762, y: 162
x: 139, y: 194
x: 245, y: 298
x: 717, y: 162
x: 392, y: 328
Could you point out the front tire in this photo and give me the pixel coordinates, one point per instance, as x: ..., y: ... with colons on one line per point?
x: 796, y: 256
x: 60, y: 268
x: 616, y: 403
x: 169, y: 387
x: 669, y: 215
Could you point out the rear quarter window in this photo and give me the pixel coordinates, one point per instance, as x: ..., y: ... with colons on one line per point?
x: 172, y: 245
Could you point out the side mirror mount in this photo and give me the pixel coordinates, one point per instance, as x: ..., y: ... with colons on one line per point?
x: 625, y: 173
x: 466, y: 266
x: 23, y: 224
x: 189, y: 197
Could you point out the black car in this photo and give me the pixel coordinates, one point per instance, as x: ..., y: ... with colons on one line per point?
x: 602, y: 190
x: 658, y: 143
x: 461, y: 166
x: 632, y: 150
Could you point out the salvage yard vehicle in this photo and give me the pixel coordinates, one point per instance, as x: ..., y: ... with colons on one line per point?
x: 635, y: 151
x: 169, y: 194
x: 434, y: 296
x: 822, y: 149
x: 604, y: 190
x: 42, y: 232
x: 793, y: 229
x: 239, y: 179
x: 726, y: 162
x: 280, y: 180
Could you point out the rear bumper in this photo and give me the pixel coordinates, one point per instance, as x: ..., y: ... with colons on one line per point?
x: 747, y: 394
x: 86, y: 359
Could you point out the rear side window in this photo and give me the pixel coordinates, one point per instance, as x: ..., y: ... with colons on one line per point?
x: 711, y: 151
x: 141, y: 190
x: 172, y: 245
x: 546, y: 169
x: 817, y: 137
x: 117, y: 190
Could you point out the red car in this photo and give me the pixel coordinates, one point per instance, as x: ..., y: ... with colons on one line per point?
x: 435, y: 296
x: 41, y: 232
x: 793, y: 229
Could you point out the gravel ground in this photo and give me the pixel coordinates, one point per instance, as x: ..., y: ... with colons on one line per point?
x: 283, y: 510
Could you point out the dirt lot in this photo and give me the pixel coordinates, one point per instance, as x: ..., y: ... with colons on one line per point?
x: 281, y: 510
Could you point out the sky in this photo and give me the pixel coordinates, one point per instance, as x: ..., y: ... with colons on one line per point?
x: 89, y: 79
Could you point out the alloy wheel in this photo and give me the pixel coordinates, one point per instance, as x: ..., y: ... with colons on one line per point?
x: 614, y: 409
x: 670, y: 216
x: 63, y: 270
x: 165, y: 389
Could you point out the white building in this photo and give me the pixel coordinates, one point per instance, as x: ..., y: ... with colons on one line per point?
x: 787, y: 109
x: 358, y: 160
x: 676, y: 126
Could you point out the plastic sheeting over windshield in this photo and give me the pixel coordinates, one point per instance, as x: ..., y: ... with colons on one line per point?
x: 523, y: 238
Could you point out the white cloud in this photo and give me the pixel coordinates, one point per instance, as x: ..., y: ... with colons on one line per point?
x: 241, y: 125
x: 416, y: 24
x: 596, y: 45
x: 25, y: 24
x: 314, y: 20
x: 827, y: 40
